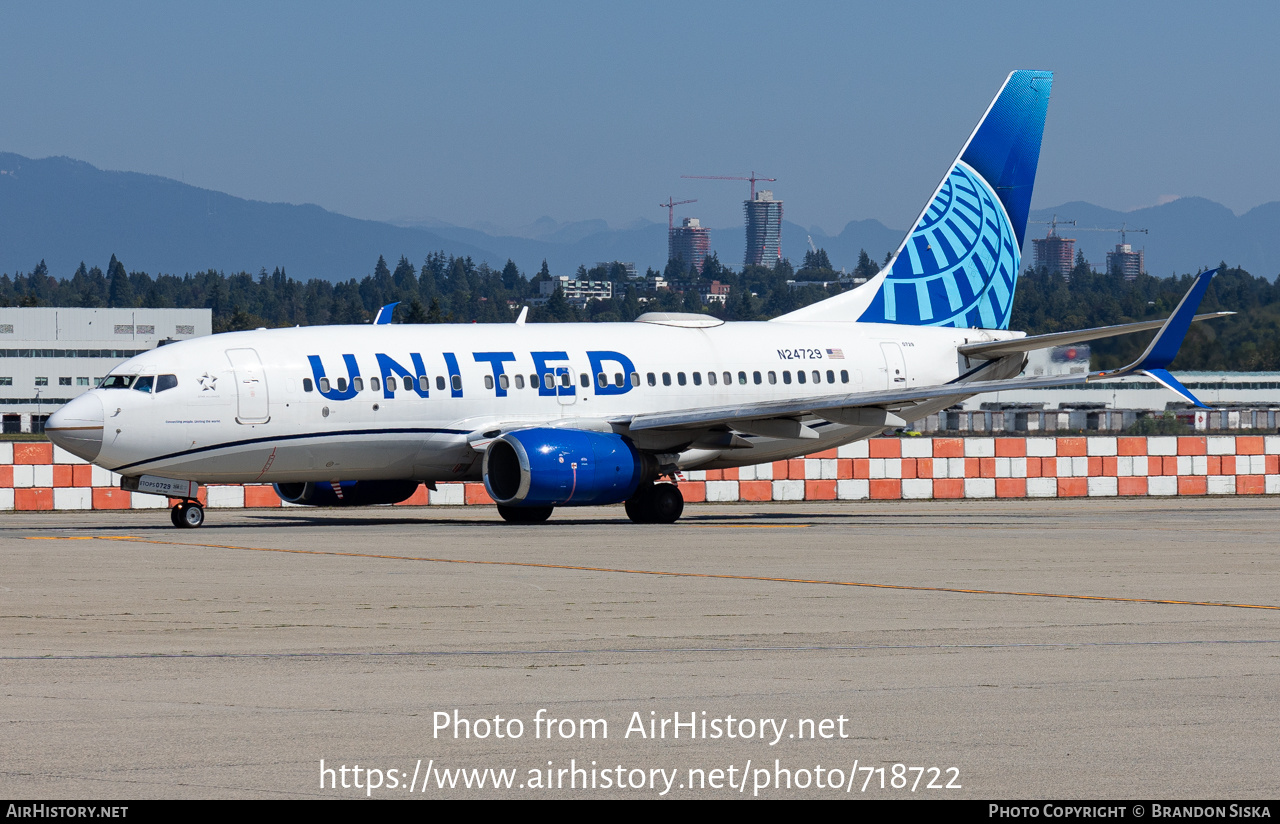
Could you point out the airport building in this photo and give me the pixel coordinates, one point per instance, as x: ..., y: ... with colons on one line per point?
x: 1125, y: 262
x: 50, y: 355
x: 689, y: 242
x: 764, y: 229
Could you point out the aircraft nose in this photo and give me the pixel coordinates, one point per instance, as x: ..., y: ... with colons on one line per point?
x: 77, y: 427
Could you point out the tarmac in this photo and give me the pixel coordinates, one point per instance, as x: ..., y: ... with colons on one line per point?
x: 1012, y: 649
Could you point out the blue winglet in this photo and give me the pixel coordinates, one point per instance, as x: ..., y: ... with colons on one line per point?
x: 1162, y: 350
x: 385, y: 313
x: 1170, y: 382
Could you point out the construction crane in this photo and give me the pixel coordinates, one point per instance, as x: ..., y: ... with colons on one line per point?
x: 1053, y: 224
x: 753, y: 179
x: 1124, y: 228
x: 671, y: 211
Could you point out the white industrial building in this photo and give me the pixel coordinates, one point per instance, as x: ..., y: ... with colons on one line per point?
x: 49, y: 355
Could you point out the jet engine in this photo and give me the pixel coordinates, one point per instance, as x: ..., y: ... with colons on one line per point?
x: 346, y: 493
x: 564, y: 467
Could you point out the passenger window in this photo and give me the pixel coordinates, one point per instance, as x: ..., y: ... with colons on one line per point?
x: 144, y: 383
x: 681, y: 379
x: 773, y: 377
x: 728, y: 378
x: 488, y: 381
x: 440, y: 382
x: 756, y: 377
x: 697, y: 379
x: 711, y: 378
x: 585, y: 380
x: 635, y: 379
x: 308, y: 386
x: 653, y: 381
x: 357, y: 384
x: 617, y: 379
x: 800, y: 376
x: 519, y: 381
x: 391, y: 383
x: 324, y: 384
x: 602, y: 380
x: 844, y: 375
x: 424, y: 383
x: 342, y: 384
x: 817, y: 376
x: 533, y: 382
x: 742, y: 378
x: 374, y: 383
x: 504, y: 382
x: 565, y: 379
x: 831, y: 376
x: 166, y: 382
x: 786, y: 376
x: 456, y: 380
x: 666, y: 378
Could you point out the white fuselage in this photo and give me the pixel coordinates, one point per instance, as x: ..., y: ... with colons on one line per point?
x: 251, y: 406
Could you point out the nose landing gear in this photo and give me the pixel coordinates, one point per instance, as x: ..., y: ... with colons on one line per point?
x: 187, y: 515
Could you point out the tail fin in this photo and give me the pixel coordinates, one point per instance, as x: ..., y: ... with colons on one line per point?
x: 959, y: 265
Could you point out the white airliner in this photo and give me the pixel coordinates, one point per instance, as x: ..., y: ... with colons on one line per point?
x: 552, y: 415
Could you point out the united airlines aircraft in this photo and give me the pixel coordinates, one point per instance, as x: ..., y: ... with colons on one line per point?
x: 555, y: 415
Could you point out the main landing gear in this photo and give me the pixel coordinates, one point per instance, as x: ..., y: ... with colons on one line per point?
x: 187, y: 514
x: 656, y: 504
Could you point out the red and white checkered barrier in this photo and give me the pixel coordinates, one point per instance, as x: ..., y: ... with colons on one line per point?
x: 36, y: 476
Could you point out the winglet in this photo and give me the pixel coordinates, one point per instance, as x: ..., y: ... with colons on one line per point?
x: 385, y: 313
x: 1164, y: 347
x: 1168, y: 340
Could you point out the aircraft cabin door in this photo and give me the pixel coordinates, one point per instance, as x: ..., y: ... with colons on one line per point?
x: 566, y: 392
x: 251, y: 386
x: 895, y: 366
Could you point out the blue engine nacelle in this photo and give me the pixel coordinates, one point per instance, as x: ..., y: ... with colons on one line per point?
x: 564, y: 467
x: 346, y: 493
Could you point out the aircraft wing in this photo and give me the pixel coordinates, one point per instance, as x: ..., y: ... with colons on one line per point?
x: 873, y: 408
x: 999, y: 348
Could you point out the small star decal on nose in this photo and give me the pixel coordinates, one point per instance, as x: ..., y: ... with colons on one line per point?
x: 208, y: 383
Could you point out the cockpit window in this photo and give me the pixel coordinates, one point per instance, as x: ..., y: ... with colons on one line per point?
x: 144, y: 383
x: 164, y: 382
x: 118, y: 381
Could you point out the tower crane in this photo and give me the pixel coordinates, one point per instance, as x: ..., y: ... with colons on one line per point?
x: 671, y: 211
x: 752, y: 178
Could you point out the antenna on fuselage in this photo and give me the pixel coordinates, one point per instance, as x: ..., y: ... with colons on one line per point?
x: 524, y: 313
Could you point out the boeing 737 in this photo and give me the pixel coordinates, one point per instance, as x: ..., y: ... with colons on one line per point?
x: 556, y: 415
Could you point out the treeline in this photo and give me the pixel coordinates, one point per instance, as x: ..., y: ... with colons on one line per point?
x: 448, y: 289
x: 445, y: 289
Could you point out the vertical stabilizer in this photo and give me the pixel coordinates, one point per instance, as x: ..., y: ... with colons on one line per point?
x: 959, y: 265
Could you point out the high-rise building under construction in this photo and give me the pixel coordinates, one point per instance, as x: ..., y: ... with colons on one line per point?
x: 764, y: 229
x: 689, y: 242
x: 1056, y: 255
x: 1126, y: 263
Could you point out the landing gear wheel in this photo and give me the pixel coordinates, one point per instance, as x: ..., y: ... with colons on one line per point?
x: 655, y: 504
x: 187, y: 515
x: 524, y: 514
x: 666, y: 504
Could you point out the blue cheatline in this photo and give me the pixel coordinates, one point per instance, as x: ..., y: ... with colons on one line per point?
x: 959, y: 266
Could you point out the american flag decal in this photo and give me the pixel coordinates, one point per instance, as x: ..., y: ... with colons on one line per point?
x: 835, y: 354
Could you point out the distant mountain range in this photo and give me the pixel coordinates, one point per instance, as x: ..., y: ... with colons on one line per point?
x: 65, y: 211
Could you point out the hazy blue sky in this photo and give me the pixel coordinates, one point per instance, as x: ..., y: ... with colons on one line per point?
x: 504, y: 112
